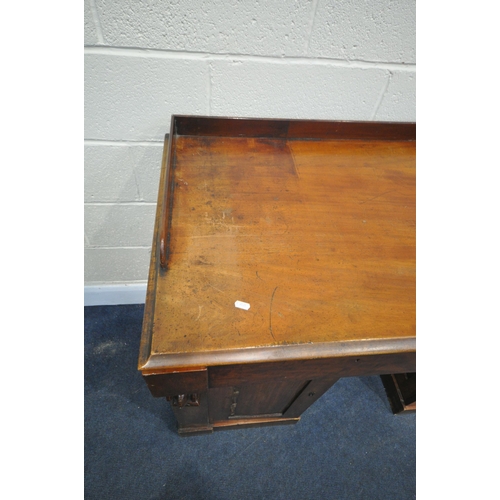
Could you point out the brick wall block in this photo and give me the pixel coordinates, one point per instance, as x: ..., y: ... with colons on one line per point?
x: 217, y: 26
x: 90, y: 33
x: 275, y: 90
x: 133, y: 98
x: 399, y: 102
x: 116, y: 265
x: 122, y: 173
x: 378, y: 30
x: 119, y: 225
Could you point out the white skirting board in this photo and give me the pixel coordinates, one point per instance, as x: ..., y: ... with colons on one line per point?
x: 113, y: 295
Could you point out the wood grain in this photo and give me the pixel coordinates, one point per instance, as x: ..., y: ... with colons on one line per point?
x: 317, y: 236
x: 308, y: 369
x: 210, y: 126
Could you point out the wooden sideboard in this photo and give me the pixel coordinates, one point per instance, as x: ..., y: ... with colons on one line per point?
x: 283, y: 259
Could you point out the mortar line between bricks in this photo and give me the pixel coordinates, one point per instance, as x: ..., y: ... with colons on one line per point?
x: 122, y: 203
x: 119, y: 282
x: 97, y: 22
x: 103, y: 142
x: 203, y: 56
x: 104, y: 247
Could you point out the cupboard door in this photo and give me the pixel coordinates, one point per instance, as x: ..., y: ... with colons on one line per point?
x: 269, y: 399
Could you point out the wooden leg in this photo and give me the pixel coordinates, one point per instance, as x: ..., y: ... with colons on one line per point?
x: 313, y: 390
x: 401, y: 392
x: 191, y: 412
x: 188, y: 394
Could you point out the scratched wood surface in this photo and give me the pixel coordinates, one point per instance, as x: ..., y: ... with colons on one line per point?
x: 318, y: 236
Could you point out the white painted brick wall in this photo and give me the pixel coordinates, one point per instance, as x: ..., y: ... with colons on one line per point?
x: 371, y: 30
x: 212, y: 26
x: 122, y: 172
x: 295, y: 90
x: 399, y: 103
x: 90, y: 31
x: 132, y: 98
x: 119, y: 224
x: 115, y: 265
x: 147, y: 60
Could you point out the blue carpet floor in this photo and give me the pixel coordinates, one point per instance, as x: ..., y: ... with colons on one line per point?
x: 348, y: 445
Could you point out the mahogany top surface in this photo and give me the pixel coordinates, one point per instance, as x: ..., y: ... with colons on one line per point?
x: 318, y: 236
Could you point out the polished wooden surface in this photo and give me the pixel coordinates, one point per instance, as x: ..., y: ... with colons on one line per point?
x: 318, y: 236
x: 310, y: 223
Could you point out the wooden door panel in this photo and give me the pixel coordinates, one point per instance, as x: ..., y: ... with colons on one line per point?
x: 271, y: 398
x: 220, y: 400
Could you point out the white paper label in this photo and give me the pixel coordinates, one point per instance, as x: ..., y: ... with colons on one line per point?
x: 242, y: 305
